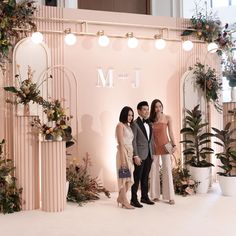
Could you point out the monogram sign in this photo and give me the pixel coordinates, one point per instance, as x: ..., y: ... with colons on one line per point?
x: 106, y: 79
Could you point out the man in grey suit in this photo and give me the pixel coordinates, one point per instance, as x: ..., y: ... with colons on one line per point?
x: 143, y: 149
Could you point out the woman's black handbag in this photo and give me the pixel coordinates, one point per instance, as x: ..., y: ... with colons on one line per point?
x: 124, y: 173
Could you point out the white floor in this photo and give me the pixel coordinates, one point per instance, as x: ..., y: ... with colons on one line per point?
x: 209, y: 214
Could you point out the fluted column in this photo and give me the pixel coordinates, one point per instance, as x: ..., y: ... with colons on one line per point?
x: 53, y: 175
x: 26, y: 157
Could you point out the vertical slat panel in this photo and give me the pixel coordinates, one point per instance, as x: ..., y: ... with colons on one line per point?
x: 53, y: 175
x: 26, y: 156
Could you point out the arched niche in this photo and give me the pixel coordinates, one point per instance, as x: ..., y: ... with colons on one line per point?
x: 190, y: 95
x: 37, y: 56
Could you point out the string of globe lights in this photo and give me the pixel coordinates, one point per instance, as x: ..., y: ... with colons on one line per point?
x: 103, y: 39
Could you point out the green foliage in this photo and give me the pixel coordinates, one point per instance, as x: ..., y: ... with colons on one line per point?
x: 10, y: 195
x: 196, y: 141
x: 82, y: 187
x: 13, y: 15
x: 228, y: 155
x: 209, y: 83
x: 183, y: 184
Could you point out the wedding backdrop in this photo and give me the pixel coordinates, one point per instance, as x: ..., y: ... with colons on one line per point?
x: 69, y: 82
x: 140, y: 73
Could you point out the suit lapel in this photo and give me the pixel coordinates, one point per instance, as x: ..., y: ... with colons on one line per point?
x: 141, y: 126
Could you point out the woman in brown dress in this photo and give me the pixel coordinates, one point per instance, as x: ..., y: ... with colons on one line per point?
x: 162, y: 134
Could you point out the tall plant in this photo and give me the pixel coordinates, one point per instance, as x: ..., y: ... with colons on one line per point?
x: 228, y: 155
x: 10, y: 195
x: 196, y: 141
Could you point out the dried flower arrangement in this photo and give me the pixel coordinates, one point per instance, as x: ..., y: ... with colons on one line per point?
x: 82, y: 187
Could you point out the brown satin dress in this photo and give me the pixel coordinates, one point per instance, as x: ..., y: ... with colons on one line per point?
x: 160, y: 139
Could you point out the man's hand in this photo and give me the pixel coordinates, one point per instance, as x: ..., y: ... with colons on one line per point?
x: 137, y: 160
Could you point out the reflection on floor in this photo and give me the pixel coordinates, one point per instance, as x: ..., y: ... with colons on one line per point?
x: 208, y: 214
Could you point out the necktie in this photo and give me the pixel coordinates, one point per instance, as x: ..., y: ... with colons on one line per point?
x: 145, y: 121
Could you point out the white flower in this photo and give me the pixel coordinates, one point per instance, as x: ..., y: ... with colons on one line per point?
x: 8, y: 179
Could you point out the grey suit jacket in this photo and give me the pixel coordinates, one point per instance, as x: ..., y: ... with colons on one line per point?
x: 142, y: 144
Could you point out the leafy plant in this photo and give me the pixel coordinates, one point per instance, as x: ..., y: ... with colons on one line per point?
x: 10, y: 195
x: 196, y: 140
x: 228, y: 155
x: 14, y: 16
x: 183, y: 184
x: 82, y: 187
x: 209, y: 83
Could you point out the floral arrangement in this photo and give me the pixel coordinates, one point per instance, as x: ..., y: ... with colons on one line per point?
x: 14, y: 16
x: 25, y: 90
x: 57, y: 127
x: 82, y: 187
x: 54, y: 111
x: 204, y: 27
x: 10, y: 195
x: 209, y: 83
x: 183, y: 184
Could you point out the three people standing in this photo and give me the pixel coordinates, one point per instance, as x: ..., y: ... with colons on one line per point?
x: 138, y: 144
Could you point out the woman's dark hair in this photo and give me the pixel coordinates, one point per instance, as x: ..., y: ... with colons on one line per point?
x: 142, y: 104
x: 152, y: 116
x: 124, y: 114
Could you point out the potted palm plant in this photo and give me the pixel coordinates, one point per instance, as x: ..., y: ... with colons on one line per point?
x: 196, y: 148
x: 227, y: 179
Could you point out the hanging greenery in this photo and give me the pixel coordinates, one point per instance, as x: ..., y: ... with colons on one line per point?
x: 14, y: 16
x: 208, y: 81
x: 10, y: 195
x: 82, y: 187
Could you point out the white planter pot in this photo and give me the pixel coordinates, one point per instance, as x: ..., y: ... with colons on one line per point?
x: 228, y: 185
x: 202, y: 175
x: 233, y: 94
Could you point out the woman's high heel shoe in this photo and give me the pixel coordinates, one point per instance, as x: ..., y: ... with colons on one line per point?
x: 123, y: 201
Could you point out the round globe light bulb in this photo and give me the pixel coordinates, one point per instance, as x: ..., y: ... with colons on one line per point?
x: 160, y: 44
x: 103, y: 41
x: 37, y: 37
x: 132, y: 42
x: 212, y: 47
x: 70, y: 39
x: 187, y: 45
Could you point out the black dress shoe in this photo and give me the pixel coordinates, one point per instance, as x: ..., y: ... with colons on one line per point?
x: 136, y: 204
x: 147, y: 201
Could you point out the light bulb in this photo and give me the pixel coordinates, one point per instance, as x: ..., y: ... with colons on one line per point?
x: 37, y: 37
x: 103, y: 41
x: 70, y: 39
x: 132, y: 42
x: 160, y: 44
x: 212, y: 47
x: 187, y: 45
